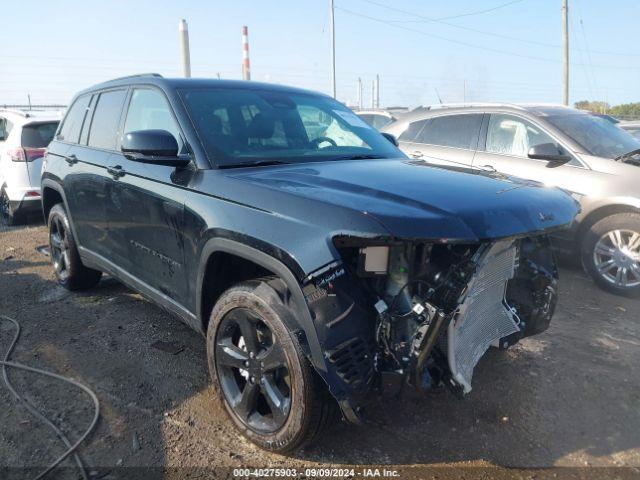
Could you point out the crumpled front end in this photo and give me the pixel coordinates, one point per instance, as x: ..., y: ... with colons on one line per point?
x: 423, y: 314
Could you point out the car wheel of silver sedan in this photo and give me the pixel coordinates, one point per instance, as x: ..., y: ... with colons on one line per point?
x: 611, y: 253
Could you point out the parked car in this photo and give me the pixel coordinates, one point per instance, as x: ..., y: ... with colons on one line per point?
x: 24, y: 135
x: 632, y: 127
x: 582, y: 153
x: 376, y: 118
x: 314, y: 269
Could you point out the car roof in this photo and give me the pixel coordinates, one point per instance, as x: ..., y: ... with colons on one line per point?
x: 177, y: 83
x: 538, y: 109
x: 374, y: 112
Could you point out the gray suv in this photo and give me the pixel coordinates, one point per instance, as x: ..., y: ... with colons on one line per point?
x: 588, y: 156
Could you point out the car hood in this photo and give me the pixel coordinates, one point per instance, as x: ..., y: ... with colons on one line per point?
x: 412, y: 199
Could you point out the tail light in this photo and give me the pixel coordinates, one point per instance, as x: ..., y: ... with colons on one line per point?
x: 26, y: 154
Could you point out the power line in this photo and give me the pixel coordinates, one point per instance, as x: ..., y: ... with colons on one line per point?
x: 586, y: 45
x: 426, y: 19
x: 479, y: 12
x: 463, y: 43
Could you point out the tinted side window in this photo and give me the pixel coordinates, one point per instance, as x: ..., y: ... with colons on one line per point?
x: 412, y: 132
x: 5, y: 129
x: 149, y: 110
x: 72, y: 123
x: 367, y: 118
x: 380, y: 121
x: 105, y: 121
x: 38, y: 135
x: 459, y: 131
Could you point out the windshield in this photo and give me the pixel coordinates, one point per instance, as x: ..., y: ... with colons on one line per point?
x: 596, y: 135
x: 240, y: 127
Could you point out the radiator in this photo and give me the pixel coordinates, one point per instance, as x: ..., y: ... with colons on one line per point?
x: 483, y: 316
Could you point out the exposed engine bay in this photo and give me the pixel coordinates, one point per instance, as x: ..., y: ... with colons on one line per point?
x: 423, y: 314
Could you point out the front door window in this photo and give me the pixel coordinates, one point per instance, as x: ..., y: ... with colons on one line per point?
x: 511, y: 135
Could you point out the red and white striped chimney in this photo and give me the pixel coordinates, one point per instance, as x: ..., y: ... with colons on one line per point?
x: 246, y: 68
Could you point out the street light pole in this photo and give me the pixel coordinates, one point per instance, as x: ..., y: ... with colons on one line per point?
x: 184, y: 48
x: 333, y: 47
x: 565, y: 53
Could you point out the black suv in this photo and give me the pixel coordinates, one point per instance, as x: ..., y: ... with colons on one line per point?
x: 321, y: 264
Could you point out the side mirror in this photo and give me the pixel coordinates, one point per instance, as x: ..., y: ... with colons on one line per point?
x: 391, y: 138
x: 152, y: 146
x: 549, y: 152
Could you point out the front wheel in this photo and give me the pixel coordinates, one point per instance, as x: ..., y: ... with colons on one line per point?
x: 611, y: 253
x: 269, y: 390
x: 69, y: 270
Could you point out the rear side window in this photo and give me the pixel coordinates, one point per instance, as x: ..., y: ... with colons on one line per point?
x: 106, y: 118
x: 72, y: 123
x: 412, y: 132
x: 379, y: 121
x: 367, y: 118
x: 458, y: 131
x: 5, y: 129
x: 38, y: 135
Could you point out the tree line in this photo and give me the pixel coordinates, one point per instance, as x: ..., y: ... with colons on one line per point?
x: 630, y: 110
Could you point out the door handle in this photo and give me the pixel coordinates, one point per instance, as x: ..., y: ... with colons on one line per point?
x: 116, y: 171
x: 417, y: 154
x: 71, y: 159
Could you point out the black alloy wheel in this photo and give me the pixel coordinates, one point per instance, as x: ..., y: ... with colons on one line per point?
x: 253, y: 371
x: 59, y: 244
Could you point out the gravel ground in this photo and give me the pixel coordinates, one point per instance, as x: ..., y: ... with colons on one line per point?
x: 567, y: 398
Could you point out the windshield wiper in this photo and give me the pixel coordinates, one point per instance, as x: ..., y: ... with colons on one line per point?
x: 362, y: 156
x: 630, y: 154
x: 257, y: 163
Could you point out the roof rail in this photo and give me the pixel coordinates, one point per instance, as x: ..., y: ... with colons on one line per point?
x: 136, y: 75
x: 472, y: 104
x: 15, y: 111
x: 31, y: 113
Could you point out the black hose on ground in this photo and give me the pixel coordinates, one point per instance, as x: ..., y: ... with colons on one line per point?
x: 71, y: 448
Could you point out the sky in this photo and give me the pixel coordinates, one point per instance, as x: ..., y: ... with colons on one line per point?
x: 423, y: 50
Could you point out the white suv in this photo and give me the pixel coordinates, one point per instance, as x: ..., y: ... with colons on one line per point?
x: 24, y: 135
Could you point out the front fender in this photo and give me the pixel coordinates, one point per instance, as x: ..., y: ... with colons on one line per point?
x: 333, y: 328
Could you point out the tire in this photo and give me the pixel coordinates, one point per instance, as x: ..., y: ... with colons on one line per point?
x: 7, y: 216
x: 69, y: 270
x: 611, y: 253
x: 306, y: 405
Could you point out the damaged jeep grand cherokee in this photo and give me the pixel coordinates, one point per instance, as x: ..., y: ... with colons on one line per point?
x: 322, y: 265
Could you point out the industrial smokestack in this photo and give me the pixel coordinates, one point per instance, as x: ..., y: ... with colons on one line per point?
x: 183, y: 32
x: 246, y: 68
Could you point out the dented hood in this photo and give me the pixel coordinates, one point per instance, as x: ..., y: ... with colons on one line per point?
x: 414, y: 200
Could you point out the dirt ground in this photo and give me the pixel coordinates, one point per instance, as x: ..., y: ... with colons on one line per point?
x: 567, y: 398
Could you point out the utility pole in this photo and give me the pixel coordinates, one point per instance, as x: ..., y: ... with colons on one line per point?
x: 246, y: 67
x: 183, y: 31
x: 565, y: 53
x: 359, y: 93
x: 29, y: 97
x: 377, y: 97
x: 464, y: 91
x: 332, y: 29
x: 373, y: 94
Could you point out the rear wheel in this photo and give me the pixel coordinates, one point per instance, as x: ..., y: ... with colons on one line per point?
x: 69, y: 270
x: 266, y: 384
x: 611, y: 253
x: 7, y: 216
